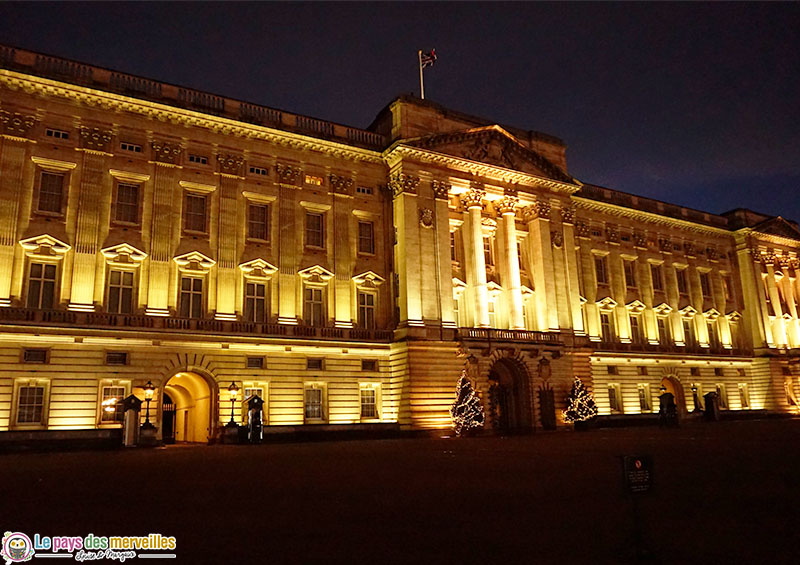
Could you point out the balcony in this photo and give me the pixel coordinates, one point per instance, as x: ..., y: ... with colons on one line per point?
x: 668, y: 349
x: 528, y: 336
x: 104, y: 320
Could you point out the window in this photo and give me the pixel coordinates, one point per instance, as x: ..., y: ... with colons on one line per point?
x: 127, y: 208
x: 314, y: 363
x: 191, y: 303
x: 116, y: 358
x: 705, y: 285
x: 313, y: 404
x: 315, y: 229
x: 645, y: 399
x: 42, y: 286
x: 255, y: 363
x: 694, y: 371
x: 688, y: 334
x: 366, y: 237
x: 34, y: 356
x: 663, y: 331
x: 453, y: 246
x: 630, y: 273
x: 713, y: 335
x: 313, y: 306
x: 601, y: 270
x: 735, y: 335
x: 363, y: 190
x: 258, y: 221
x: 132, y: 147
x: 30, y: 405
x: 56, y: 133
x: 636, y: 329
x: 606, y: 327
x: 369, y: 407
x: 612, y: 369
x: 314, y: 180
x: 658, y: 277
x: 744, y: 396
x: 259, y: 171
x: 255, y: 302
x: 199, y: 159
x: 487, y: 251
x: 112, y: 409
x: 681, y: 276
x: 614, y: 399
x: 722, y: 395
x: 194, y: 218
x: 369, y: 365
x: 259, y: 392
x: 51, y: 192
x: 366, y: 310
x: 120, y: 292
x: 643, y: 371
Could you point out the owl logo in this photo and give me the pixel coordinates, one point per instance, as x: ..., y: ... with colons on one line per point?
x: 17, y: 548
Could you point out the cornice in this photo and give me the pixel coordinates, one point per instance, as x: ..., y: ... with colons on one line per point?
x: 616, y: 210
x: 164, y: 113
x: 768, y: 237
x: 397, y: 152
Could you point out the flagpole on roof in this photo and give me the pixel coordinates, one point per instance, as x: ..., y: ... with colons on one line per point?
x: 421, y: 82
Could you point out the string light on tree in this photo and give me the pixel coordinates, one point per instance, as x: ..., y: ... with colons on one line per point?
x: 467, y: 410
x: 580, y: 404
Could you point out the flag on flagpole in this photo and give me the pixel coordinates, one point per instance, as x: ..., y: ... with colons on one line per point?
x: 427, y: 59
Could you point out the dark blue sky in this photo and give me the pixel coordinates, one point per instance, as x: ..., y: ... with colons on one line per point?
x: 696, y: 104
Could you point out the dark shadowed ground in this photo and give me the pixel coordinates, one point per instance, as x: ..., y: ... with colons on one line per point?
x: 725, y: 493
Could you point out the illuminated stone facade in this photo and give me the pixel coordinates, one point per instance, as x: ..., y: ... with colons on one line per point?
x: 154, y: 233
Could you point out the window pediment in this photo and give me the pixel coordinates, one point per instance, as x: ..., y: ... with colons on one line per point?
x: 607, y: 303
x: 494, y: 289
x: 44, y: 246
x: 528, y: 292
x: 316, y: 274
x: 123, y: 254
x: 712, y: 314
x: 194, y: 261
x: 662, y: 309
x: 688, y: 312
x: 258, y: 269
x: 733, y: 316
x: 635, y: 307
x: 369, y: 279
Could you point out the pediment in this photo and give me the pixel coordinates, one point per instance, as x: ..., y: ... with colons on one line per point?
x: 369, y: 279
x: 123, y: 253
x: 688, y: 312
x: 712, y: 314
x: 662, y: 309
x: 494, y: 288
x: 492, y: 145
x: 316, y: 273
x: 606, y: 303
x: 733, y: 316
x: 194, y: 261
x: 44, y: 245
x: 780, y: 227
x: 258, y: 268
x: 636, y: 306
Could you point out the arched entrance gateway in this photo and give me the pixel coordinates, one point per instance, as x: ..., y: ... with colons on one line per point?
x: 674, y: 386
x: 188, y: 409
x: 510, y: 396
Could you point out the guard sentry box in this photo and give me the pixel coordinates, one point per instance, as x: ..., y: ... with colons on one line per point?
x: 255, y: 428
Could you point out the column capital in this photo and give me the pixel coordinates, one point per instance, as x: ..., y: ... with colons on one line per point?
x: 473, y: 198
x: 538, y: 210
x: 507, y: 205
x: 441, y: 189
x: 568, y: 214
x: 401, y: 183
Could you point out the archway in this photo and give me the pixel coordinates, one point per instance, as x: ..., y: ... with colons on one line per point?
x: 509, y: 396
x: 674, y: 386
x: 191, y: 406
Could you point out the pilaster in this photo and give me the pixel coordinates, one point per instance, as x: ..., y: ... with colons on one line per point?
x: 541, y: 250
x: 228, y: 236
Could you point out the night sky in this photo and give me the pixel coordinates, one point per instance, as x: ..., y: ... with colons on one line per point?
x: 696, y: 104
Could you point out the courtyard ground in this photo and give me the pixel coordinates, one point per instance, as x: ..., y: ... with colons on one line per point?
x: 724, y: 493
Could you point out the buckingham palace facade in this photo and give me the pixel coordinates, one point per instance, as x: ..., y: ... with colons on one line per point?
x: 151, y: 233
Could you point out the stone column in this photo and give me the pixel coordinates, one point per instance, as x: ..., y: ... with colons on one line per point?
x: 537, y: 215
x: 441, y: 195
x: 571, y: 258
x: 472, y: 202
x: 511, y: 279
x: 228, y: 244
x: 778, y: 327
x: 343, y: 249
x: 289, y: 248
x: 407, y: 265
x: 13, y: 149
x: 755, y: 304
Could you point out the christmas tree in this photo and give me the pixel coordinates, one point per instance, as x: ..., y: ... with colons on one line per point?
x: 466, y: 411
x: 580, y: 404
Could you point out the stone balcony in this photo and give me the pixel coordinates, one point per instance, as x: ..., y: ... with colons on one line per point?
x: 106, y: 321
x: 498, y: 335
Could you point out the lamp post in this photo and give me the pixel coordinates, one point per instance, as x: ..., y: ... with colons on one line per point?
x: 149, y: 390
x: 234, y: 392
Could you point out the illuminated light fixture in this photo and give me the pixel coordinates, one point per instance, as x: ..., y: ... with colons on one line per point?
x: 156, y: 312
x: 228, y: 317
x: 5, y: 302
x: 149, y: 390
x: 80, y: 307
x: 285, y: 320
x: 233, y: 390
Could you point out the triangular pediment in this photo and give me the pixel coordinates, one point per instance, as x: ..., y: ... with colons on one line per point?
x: 369, y: 279
x: 44, y: 245
x: 662, y: 309
x: 316, y: 273
x: 636, y: 306
x: 258, y: 268
x: 688, y: 312
x: 606, y: 303
x: 123, y: 253
x: 492, y: 145
x: 712, y: 314
x: 780, y: 227
x: 195, y: 261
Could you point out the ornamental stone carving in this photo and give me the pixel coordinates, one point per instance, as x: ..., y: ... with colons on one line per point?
x: 426, y: 217
x: 16, y: 124
x: 164, y: 152
x: 665, y: 244
x: 506, y: 205
x: 612, y: 233
x: 95, y: 138
x: 557, y: 238
x: 473, y: 198
x: 341, y: 184
x: 511, y: 191
x: 538, y: 209
x: 288, y: 174
x: 582, y: 229
x: 639, y: 239
x: 441, y: 189
x: 688, y: 248
x: 401, y: 183
x: 230, y: 164
x: 568, y: 214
